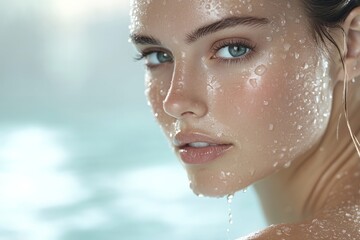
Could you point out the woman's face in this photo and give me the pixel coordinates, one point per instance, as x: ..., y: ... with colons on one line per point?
x: 240, y: 88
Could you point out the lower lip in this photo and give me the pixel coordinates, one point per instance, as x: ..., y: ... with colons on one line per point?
x: 191, y: 155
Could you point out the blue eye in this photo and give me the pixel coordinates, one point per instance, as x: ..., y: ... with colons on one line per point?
x: 156, y: 58
x: 232, y: 51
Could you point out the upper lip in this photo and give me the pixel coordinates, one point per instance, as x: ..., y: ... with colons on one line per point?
x: 182, y: 139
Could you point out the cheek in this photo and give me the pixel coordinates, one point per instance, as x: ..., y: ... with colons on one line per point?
x: 276, y: 111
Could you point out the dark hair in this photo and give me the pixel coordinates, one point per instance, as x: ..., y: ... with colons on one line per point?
x: 323, y: 16
x: 326, y: 14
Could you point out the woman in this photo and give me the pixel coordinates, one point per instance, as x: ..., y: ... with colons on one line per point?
x: 252, y: 92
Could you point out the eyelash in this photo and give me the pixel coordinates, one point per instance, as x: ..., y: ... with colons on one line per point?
x: 143, y: 54
x: 217, y: 46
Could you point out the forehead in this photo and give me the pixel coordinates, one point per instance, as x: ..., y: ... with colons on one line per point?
x: 172, y: 16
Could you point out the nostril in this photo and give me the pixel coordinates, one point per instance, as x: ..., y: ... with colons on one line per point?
x: 187, y: 113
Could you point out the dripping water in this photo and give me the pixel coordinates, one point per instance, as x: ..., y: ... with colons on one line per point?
x: 229, y: 199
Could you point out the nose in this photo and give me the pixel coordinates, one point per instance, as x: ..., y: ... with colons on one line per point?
x: 186, y: 96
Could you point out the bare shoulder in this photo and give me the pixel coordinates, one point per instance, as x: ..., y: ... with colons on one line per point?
x: 345, y: 224
x: 338, y: 219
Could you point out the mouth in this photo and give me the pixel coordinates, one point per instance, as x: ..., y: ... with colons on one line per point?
x: 198, y: 148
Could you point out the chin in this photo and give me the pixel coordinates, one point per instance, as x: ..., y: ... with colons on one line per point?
x: 206, y: 183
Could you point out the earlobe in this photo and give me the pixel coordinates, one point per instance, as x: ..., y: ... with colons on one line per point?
x: 352, y: 31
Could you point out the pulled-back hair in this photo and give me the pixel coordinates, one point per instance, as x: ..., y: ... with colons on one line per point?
x: 326, y: 14
x: 323, y: 16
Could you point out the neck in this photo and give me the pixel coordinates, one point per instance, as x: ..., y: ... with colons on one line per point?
x: 298, y: 192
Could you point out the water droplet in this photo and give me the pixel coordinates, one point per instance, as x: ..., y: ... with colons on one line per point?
x: 296, y: 55
x: 230, y: 198
x: 302, y: 41
x: 230, y: 218
x: 253, y: 82
x: 269, y: 39
x: 162, y: 92
x: 271, y: 127
x: 266, y: 103
x: 287, y: 47
x: 260, y: 70
x: 288, y: 164
x: 283, y: 22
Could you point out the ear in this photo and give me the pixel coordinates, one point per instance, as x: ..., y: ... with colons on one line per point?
x: 351, y: 27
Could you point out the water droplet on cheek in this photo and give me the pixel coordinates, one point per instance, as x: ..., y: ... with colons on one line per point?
x: 253, y: 82
x: 287, y: 165
x: 260, y: 70
x: 287, y: 47
x: 162, y: 92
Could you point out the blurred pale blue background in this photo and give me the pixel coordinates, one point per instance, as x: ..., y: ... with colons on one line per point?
x: 80, y: 154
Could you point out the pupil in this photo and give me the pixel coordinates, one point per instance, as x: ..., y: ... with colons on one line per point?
x: 236, y: 50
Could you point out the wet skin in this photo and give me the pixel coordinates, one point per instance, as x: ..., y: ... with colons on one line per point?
x: 249, y: 79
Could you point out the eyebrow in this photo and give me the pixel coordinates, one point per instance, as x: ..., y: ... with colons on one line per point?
x: 222, y: 24
x: 226, y: 23
x: 144, y: 40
